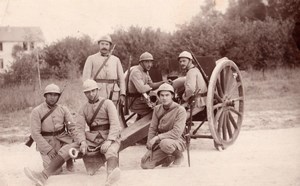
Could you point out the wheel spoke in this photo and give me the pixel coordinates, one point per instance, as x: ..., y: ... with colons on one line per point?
x: 219, y: 89
x: 220, y: 123
x: 229, y: 80
x: 217, y: 106
x: 224, y: 127
x: 232, y: 120
x: 237, y: 99
x: 228, y: 125
x: 222, y: 79
x: 235, y: 111
x: 216, y: 96
x: 236, y: 85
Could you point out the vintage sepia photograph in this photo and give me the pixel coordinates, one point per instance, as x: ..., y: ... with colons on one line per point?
x: 150, y: 93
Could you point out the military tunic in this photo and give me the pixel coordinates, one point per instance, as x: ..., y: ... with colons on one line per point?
x: 112, y: 70
x: 56, y: 121
x: 139, y: 81
x: 107, y: 115
x: 169, y: 129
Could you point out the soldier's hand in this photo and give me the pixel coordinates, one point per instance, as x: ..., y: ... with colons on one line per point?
x: 105, y: 146
x: 146, y: 156
x: 150, y: 143
x: 122, y: 99
x: 83, y: 147
x: 52, y: 154
x: 170, y: 82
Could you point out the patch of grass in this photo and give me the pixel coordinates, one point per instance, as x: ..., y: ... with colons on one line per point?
x: 277, y: 90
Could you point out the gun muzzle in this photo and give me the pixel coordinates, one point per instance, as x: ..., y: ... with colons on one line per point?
x: 73, y: 153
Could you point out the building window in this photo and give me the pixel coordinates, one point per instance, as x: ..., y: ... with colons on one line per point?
x: 31, y: 45
x: 25, y: 46
x: 1, y: 46
x: 1, y: 64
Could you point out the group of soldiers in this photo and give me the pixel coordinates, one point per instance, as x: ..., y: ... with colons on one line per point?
x: 55, y: 131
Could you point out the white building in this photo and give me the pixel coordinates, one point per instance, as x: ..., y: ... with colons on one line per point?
x: 28, y: 38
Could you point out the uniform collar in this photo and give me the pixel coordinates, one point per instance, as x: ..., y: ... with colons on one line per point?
x: 93, y: 102
x: 141, y: 68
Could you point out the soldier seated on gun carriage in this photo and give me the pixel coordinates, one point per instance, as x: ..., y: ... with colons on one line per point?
x: 102, y: 138
x: 139, y: 86
x: 192, y: 87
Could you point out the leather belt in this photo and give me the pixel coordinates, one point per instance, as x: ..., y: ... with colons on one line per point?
x: 100, y: 127
x: 134, y: 95
x: 107, y: 81
x: 55, y: 133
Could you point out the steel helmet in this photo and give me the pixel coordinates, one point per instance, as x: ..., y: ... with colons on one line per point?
x: 165, y: 87
x: 52, y: 88
x: 106, y: 38
x: 146, y: 56
x: 185, y: 54
x: 89, y: 85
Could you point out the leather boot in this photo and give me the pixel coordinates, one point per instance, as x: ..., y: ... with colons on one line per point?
x: 113, y: 171
x: 168, y: 160
x: 70, y: 165
x: 55, y: 164
x: 178, y: 157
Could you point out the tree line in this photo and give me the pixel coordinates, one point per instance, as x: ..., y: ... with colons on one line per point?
x: 252, y: 33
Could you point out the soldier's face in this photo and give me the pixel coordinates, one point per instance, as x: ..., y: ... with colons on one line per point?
x: 184, y: 62
x: 91, y: 95
x: 51, y: 98
x: 104, y: 47
x: 165, y: 97
x: 147, y: 64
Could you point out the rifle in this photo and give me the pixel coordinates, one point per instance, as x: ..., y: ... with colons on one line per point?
x: 30, y: 140
x: 199, y: 67
x: 189, y: 126
x: 126, y: 109
x: 187, y: 132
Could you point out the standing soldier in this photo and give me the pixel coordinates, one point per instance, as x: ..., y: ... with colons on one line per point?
x: 140, y: 84
x: 194, y: 84
x: 101, y: 116
x: 48, y: 126
x: 107, y: 71
x: 165, y: 142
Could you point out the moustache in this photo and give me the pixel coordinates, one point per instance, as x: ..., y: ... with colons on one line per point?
x: 104, y: 49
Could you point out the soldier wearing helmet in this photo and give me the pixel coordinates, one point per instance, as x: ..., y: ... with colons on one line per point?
x: 165, y: 143
x: 194, y: 84
x: 110, y: 78
x: 48, y: 126
x: 104, y: 131
x: 140, y: 83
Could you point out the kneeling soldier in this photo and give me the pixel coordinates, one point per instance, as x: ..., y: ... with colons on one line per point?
x: 165, y: 138
x: 101, y: 116
x: 48, y: 124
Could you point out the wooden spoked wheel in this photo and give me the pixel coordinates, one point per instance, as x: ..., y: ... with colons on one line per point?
x: 225, y: 103
x: 123, y: 118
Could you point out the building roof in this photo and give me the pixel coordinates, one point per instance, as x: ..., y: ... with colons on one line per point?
x: 17, y: 34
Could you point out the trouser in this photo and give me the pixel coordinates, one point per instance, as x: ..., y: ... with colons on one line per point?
x: 139, y: 106
x: 57, y: 145
x: 155, y: 158
x: 196, y: 110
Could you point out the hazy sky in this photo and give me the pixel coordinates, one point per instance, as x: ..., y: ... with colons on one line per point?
x: 60, y: 18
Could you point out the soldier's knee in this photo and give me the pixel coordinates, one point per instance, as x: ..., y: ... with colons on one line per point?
x: 167, y: 146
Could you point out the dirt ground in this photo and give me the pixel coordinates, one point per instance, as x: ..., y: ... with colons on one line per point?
x: 259, y: 157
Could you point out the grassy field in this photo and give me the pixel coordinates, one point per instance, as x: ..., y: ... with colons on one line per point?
x: 272, y: 101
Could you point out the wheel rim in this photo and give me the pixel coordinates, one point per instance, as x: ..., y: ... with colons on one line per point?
x: 225, y: 103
